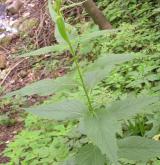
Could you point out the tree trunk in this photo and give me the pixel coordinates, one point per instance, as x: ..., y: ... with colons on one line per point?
x: 96, y: 14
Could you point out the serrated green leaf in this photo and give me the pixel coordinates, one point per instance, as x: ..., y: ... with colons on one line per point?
x: 95, y: 76
x: 152, y: 77
x: 69, y: 161
x: 89, y: 155
x: 102, y: 67
x: 157, y: 88
x: 44, y: 87
x: 49, y: 49
x: 101, y: 130
x: 111, y: 59
x: 138, y: 148
x: 64, y: 110
x: 63, y: 46
x: 129, y: 107
x: 154, y: 121
x: 87, y: 37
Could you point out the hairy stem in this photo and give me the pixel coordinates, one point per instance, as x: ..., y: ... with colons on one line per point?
x: 81, y: 77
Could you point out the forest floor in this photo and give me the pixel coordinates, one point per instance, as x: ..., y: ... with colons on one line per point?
x: 20, y: 71
x: 138, y: 34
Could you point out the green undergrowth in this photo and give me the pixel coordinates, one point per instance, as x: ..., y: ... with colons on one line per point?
x: 42, y: 142
x: 138, y: 23
x: 45, y: 142
x: 50, y: 142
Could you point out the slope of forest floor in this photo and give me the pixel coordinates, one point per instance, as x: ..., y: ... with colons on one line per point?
x: 139, y: 25
x: 21, y: 71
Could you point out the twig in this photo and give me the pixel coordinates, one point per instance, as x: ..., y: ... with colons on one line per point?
x: 6, y: 50
x: 35, y: 62
x: 18, y: 63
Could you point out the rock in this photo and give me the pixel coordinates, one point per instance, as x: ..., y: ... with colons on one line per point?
x: 23, y: 74
x: 7, y: 32
x: 27, y: 25
x: 13, y: 6
x: 6, y: 40
x: 2, y: 9
x: 3, y: 61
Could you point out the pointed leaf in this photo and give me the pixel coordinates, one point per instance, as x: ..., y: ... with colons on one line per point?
x: 111, y: 59
x: 58, y: 20
x: 61, y: 28
x: 138, y: 148
x: 49, y: 49
x: 67, y: 109
x: 71, y: 32
x: 44, y: 87
x: 129, y: 107
x: 53, y: 14
x: 89, y: 155
x: 102, y: 67
x: 95, y: 76
x: 58, y: 4
x: 93, y: 35
x: 63, y: 46
x: 101, y: 129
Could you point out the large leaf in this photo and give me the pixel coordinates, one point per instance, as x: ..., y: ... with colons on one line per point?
x: 124, y: 109
x: 63, y: 46
x: 44, y: 87
x: 69, y: 161
x: 49, y: 49
x: 93, y: 35
x: 64, y: 110
x: 111, y: 59
x: 89, y: 155
x: 71, y: 32
x: 157, y: 88
x: 102, y: 67
x: 101, y: 130
x: 154, y: 121
x: 95, y: 76
x: 62, y: 28
x: 138, y: 148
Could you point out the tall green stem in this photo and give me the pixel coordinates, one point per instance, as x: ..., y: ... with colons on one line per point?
x: 81, y: 77
x: 62, y: 30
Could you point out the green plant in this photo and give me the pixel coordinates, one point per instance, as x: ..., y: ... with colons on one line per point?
x: 6, y: 120
x: 142, y: 74
x: 100, y: 123
x: 144, y: 11
x: 141, y: 36
x: 42, y: 142
x: 9, y: 108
